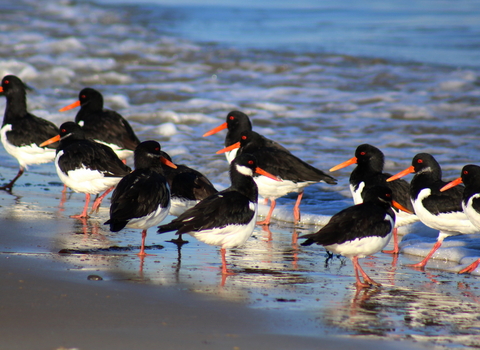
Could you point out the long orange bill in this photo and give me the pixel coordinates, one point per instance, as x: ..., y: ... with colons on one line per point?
x: 50, y: 141
x: 401, y: 207
x: 451, y: 184
x: 1, y: 89
x: 215, y: 130
x: 344, y: 164
x: 70, y: 106
x: 229, y: 148
x: 407, y: 171
x: 167, y: 162
x: 267, y: 174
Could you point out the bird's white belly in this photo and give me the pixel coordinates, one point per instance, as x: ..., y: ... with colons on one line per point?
x: 455, y: 222
x: 271, y: 189
x: 85, y: 180
x: 230, y: 236
x: 360, y: 247
x: 471, y: 213
x: 26, y: 155
x: 152, y: 219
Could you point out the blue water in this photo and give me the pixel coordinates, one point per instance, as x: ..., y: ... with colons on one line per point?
x: 428, y: 31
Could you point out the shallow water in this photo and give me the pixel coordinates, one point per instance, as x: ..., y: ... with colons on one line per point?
x: 319, y: 101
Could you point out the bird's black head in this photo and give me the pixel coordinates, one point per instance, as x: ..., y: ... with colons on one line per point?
x: 71, y: 130
x: 426, y: 163
x: 471, y: 174
x: 239, y: 121
x: 92, y: 97
x: 250, y: 137
x: 368, y: 154
x: 11, y: 84
x: 245, y: 164
x: 378, y: 194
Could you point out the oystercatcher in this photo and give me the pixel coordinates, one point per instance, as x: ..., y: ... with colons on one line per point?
x: 226, y: 218
x: 103, y: 125
x: 360, y: 230
x: 439, y: 210
x: 295, y: 173
x: 22, y: 132
x: 470, y: 176
x: 187, y: 186
x: 85, y: 165
x: 369, y: 172
x: 142, y: 198
x: 236, y: 123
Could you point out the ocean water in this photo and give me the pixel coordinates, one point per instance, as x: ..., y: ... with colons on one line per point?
x: 319, y: 78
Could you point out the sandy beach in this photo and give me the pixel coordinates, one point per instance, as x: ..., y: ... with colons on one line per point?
x: 51, y: 302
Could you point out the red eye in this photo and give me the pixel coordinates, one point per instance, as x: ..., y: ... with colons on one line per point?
x: 157, y: 149
x: 244, y: 137
x: 465, y: 172
x: 7, y: 81
x: 83, y: 96
x: 250, y: 162
x: 388, y: 195
x: 231, y: 117
x: 63, y: 130
x: 420, y: 161
x: 362, y: 153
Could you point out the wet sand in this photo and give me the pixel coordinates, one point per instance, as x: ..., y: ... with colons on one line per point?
x: 48, y: 300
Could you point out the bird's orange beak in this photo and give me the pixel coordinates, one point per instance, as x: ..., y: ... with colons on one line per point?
x: 1, y: 89
x: 401, y: 207
x: 267, y: 174
x: 229, y: 148
x: 215, y: 130
x: 70, y: 106
x: 451, y: 184
x: 407, y: 171
x: 50, y: 141
x: 167, y: 162
x: 344, y: 164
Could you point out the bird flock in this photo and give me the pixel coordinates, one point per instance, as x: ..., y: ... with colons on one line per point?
x: 90, y: 157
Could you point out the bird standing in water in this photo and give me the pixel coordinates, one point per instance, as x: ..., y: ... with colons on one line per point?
x: 142, y: 198
x: 360, y: 230
x: 22, y: 132
x: 226, y: 218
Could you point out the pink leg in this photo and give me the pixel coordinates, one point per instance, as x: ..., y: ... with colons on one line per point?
x: 98, y: 201
x: 142, y: 249
x: 367, y: 280
x: 395, y: 249
x: 358, y: 282
x: 434, y: 249
x: 296, y: 209
x: 470, y: 268
x: 8, y: 187
x: 225, y: 271
x: 273, y: 202
x: 84, y: 212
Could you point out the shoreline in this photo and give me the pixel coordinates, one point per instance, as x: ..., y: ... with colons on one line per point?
x: 49, y: 302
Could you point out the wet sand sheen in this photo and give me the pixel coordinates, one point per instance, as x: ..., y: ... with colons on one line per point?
x: 282, y: 296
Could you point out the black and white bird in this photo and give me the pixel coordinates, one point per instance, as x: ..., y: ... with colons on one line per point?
x: 295, y: 173
x: 227, y: 218
x: 85, y: 165
x: 368, y: 173
x: 142, y: 198
x: 470, y: 176
x: 22, y: 132
x: 187, y: 186
x: 439, y: 210
x: 103, y: 125
x: 360, y: 230
x: 236, y: 123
